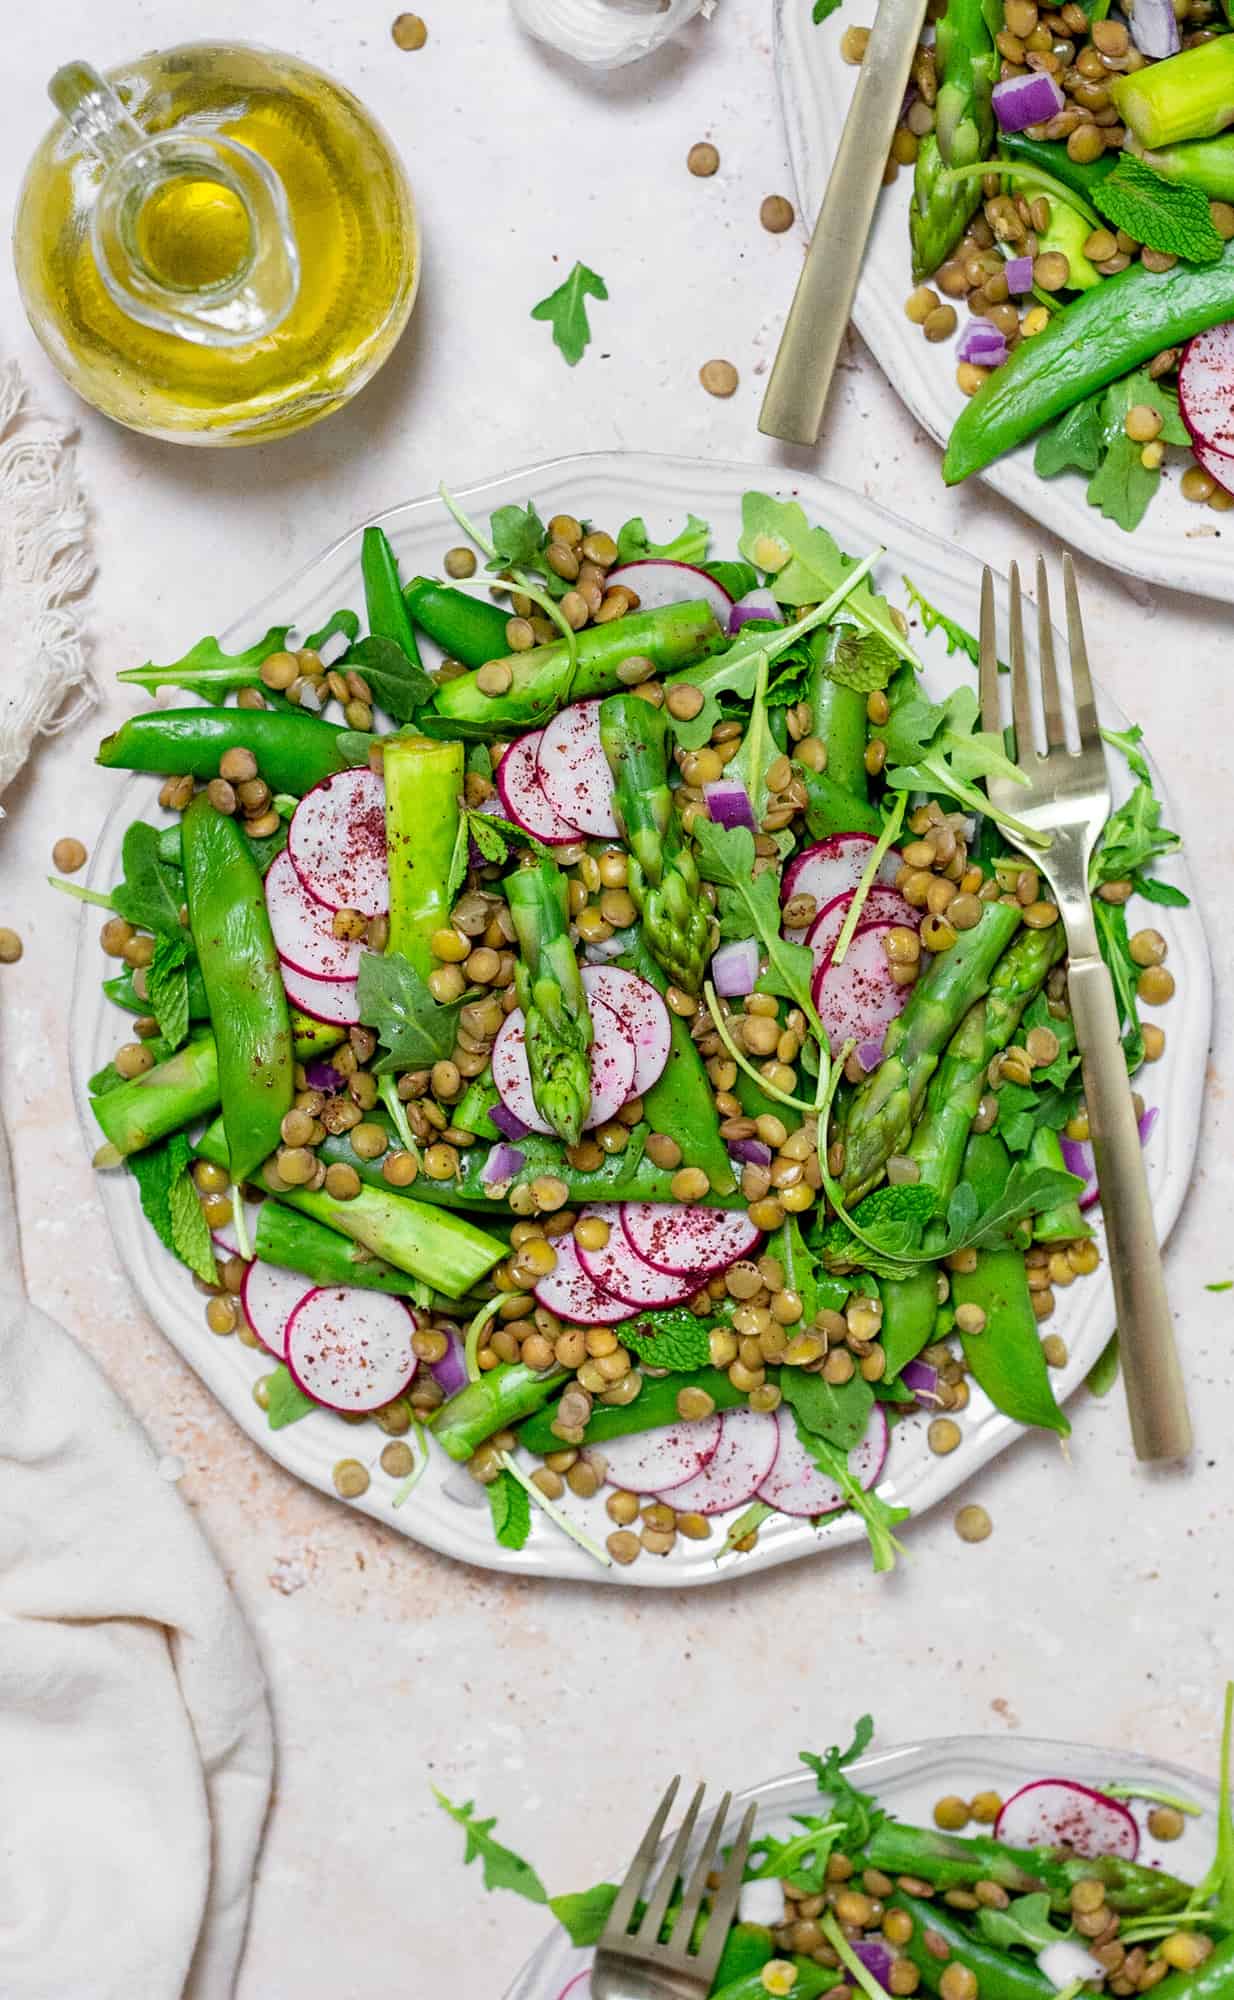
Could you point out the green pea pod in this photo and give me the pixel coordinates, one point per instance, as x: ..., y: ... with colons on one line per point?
x: 1006, y: 1358
x: 681, y: 1102
x: 466, y: 628
x: 655, y: 1404
x: 838, y: 714
x: 293, y: 752
x: 909, y: 1308
x: 388, y: 617
x: 1214, y: 1980
x: 746, y: 1950
x: 499, y: 1399
x: 830, y: 809
x: 1050, y: 156
x: 939, y: 1940
x: 1065, y: 1222
x: 471, y: 1113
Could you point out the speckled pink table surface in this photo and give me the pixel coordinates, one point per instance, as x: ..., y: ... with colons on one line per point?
x: 1100, y: 1607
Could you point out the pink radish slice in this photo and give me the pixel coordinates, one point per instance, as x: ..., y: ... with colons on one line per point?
x: 522, y: 795
x: 304, y: 928
x: 748, y: 1448
x: 350, y: 1349
x: 227, y: 1240
x: 332, y: 1000
x: 796, y: 1486
x: 832, y: 868
x: 858, y: 1000
x: 650, y: 1461
x: 658, y: 580
x: 573, y: 1296
x: 688, y: 1241
x: 642, y: 1014
x: 612, y: 1069
x: 1058, y: 1812
x: 573, y: 770
x: 579, y: 1987
x: 882, y: 905
x: 269, y: 1296
x: 337, y: 843
x: 1206, y: 387
x: 619, y: 1269
x: 1218, y: 464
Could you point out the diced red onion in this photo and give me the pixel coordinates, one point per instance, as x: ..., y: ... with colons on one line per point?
x: 1079, y: 1160
x: 756, y: 604
x: 1147, y: 1122
x: 508, y: 1122
x: 751, y: 1152
x: 502, y: 1164
x: 450, y: 1373
x: 869, y: 1055
x: 1018, y: 272
x: 606, y: 948
x: 734, y: 968
x: 1154, y: 28
x: 876, y: 1956
x: 922, y: 1380
x: 728, y: 802
x: 323, y: 1076
x: 982, y: 345
x: 1020, y: 101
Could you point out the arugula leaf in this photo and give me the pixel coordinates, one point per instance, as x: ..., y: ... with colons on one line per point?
x: 1133, y: 836
x: 937, y: 747
x: 399, y: 686
x: 824, y: 9
x: 151, y: 893
x: 801, y: 1860
x: 733, y: 673
x: 206, y: 665
x: 789, y: 1247
x: 750, y: 765
x: 167, y: 986
x: 813, y: 565
x: 1025, y: 1921
x: 959, y: 639
x: 861, y: 1812
x: 1073, y: 442
x: 1103, y: 1374
x: 511, y: 1511
x: 837, y: 1413
x: 584, y: 1914
x: 1129, y: 741
x: 690, y: 546
x: 566, y: 311
x: 862, y: 661
x: 1028, y: 1191
x: 393, y: 999
x: 877, y: 1516
x: 1165, y: 215
x: 1123, y: 485
x: 674, y: 1339
x: 726, y: 857
x: 503, y: 1869
x: 286, y: 1401
x: 738, y: 578
x: 1115, y: 945
x: 1023, y: 1111
x: 343, y: 621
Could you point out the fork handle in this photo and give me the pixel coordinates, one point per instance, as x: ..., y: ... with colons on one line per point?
x: 1156, y: 1400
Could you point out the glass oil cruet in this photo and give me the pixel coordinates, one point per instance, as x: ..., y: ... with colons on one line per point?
x: 216, y: 244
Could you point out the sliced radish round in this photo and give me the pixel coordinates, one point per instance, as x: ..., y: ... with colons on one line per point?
x: 831, y: 868
x: 1058, y: 1812
x: 748, y: 1448
x: 304, y: 928
x: 350, y: 1349
x: 227, y: 1240
x: 573, y: 1296
x: 796, y: 1486
x: 612, y: 1069
x: 882, y: 905
x: 337, y: 843
x: 522, y: 795
x: 619, y: 1269
x: 573, y: 770
x: 686, y: 1240
x: 650, y: 1461
x: 858, y: 1000
x: 269, y: 1296
x: 659, y: 580
x: 332, y: 1000
x: 1218, y: 464
x: 1206, y: 387
x: 642, y: 1015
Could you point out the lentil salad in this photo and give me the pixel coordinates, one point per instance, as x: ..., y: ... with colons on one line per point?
x: 521, y: 1387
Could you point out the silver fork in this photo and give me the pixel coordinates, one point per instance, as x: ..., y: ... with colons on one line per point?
x: 633, y: 1964
x: 1068, y: 797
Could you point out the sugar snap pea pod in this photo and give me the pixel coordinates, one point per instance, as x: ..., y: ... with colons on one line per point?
x: 1006, y: 1358
x: 471, y: 1113
x: 557, y: 1030
x: 445, y: 1250
x: 663, y: 876
x: 939, y: 1940
x: 296, y: 1243
x: 838, y: 715
x: 424, y: 781
x: 909, y: 1308
x: 830, y: 809
x: 1065, y: 1222
x: 1050, y: 156
x: 1214, y: 1980
x: 746, y: 1949
x: 293, y: 752
x: 388, y: 617
x: 244, y: 986
x: 655, y: 1404
x: 541, y: 681
x: 681, y: 1102
x: 1100, y: 336
x: 499, y: 1399
x: 466, y: 628
x: 954, y: 1861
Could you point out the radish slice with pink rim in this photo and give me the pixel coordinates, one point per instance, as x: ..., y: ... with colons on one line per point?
x: 612, y: 1069
x: 332, y: 1000
x: 1060, y: 1812
x: 748, y: 1448
x: 304, y: 928
x: 573, y: 771
x: 796, y: 1486
x: 1206, y: 388
x: 882, y: 905
x: 576, y: 1298
x: 834, y: 867
x: 650, y: 1461
x: 522, y: 795
x: 618, y: 1268
x: 659, y: 580
x: 688, y: 1241
x: 350, y: 1349
x: 225, y: 1237
x: 269, y: 1296
x: 1219, y: 465
x: 642, y: 1015
x: 579, y: 1987
x: 337, y: 843
x: 858, y: 999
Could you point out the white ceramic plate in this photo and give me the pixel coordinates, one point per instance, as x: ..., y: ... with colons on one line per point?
x: 609, y: 488
x: 1175, y: 545
x: 907, y: 1781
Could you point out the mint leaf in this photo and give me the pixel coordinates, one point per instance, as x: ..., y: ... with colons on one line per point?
x: 674, y: 1339
x: 750, y: 904
x: 895, y: 1218
x: 488, y: 838
x: 393, y: 999
x: 153, y: 1170
x: 167, y: 986
x: 566, y: 311
x: 286, y: 1401
x: 511, y: 1511
x: 1164, y: 215
x: 584, y: 1914
x: 838, y: 1413
x: 503, y: 1869
x: 812, y: 566
x: 170, y: 1205
x: 862, y: 661
x: 1025, y: 1921
x: 151, y: 893
x: 959, y: 638
x: 399, y: 686
x: 190, y: 1232
x: 690, y: 546
x: 824, y: 9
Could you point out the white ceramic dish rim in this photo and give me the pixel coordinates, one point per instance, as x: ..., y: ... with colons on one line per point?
x: 662, y: 488
x: 990, y: 1759
x: 1177, y: 545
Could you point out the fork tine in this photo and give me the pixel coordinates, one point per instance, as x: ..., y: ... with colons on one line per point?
x: 1021, y: 700
x: 724, y: 1902
x: 1081, y: 680
x: 702, y: 1868
x: 1055, y: 727
x: 987, y: 657
x: 628, y: 1894
x: 658, y: 1901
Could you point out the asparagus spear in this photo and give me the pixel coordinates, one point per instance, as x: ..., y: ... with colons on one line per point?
x: 952, y: 1861
x: 183, y: 1088
x: 968, y: 68
x: 446, y: 1251
x: 884, y: 1108
x: 423, y: 782
x: 956, y: 1087
x: 558, y: 1031
x: 1186, y: 97
x: 663, y: 878
x: 1065, y: 1222
x: 507, y: 1393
